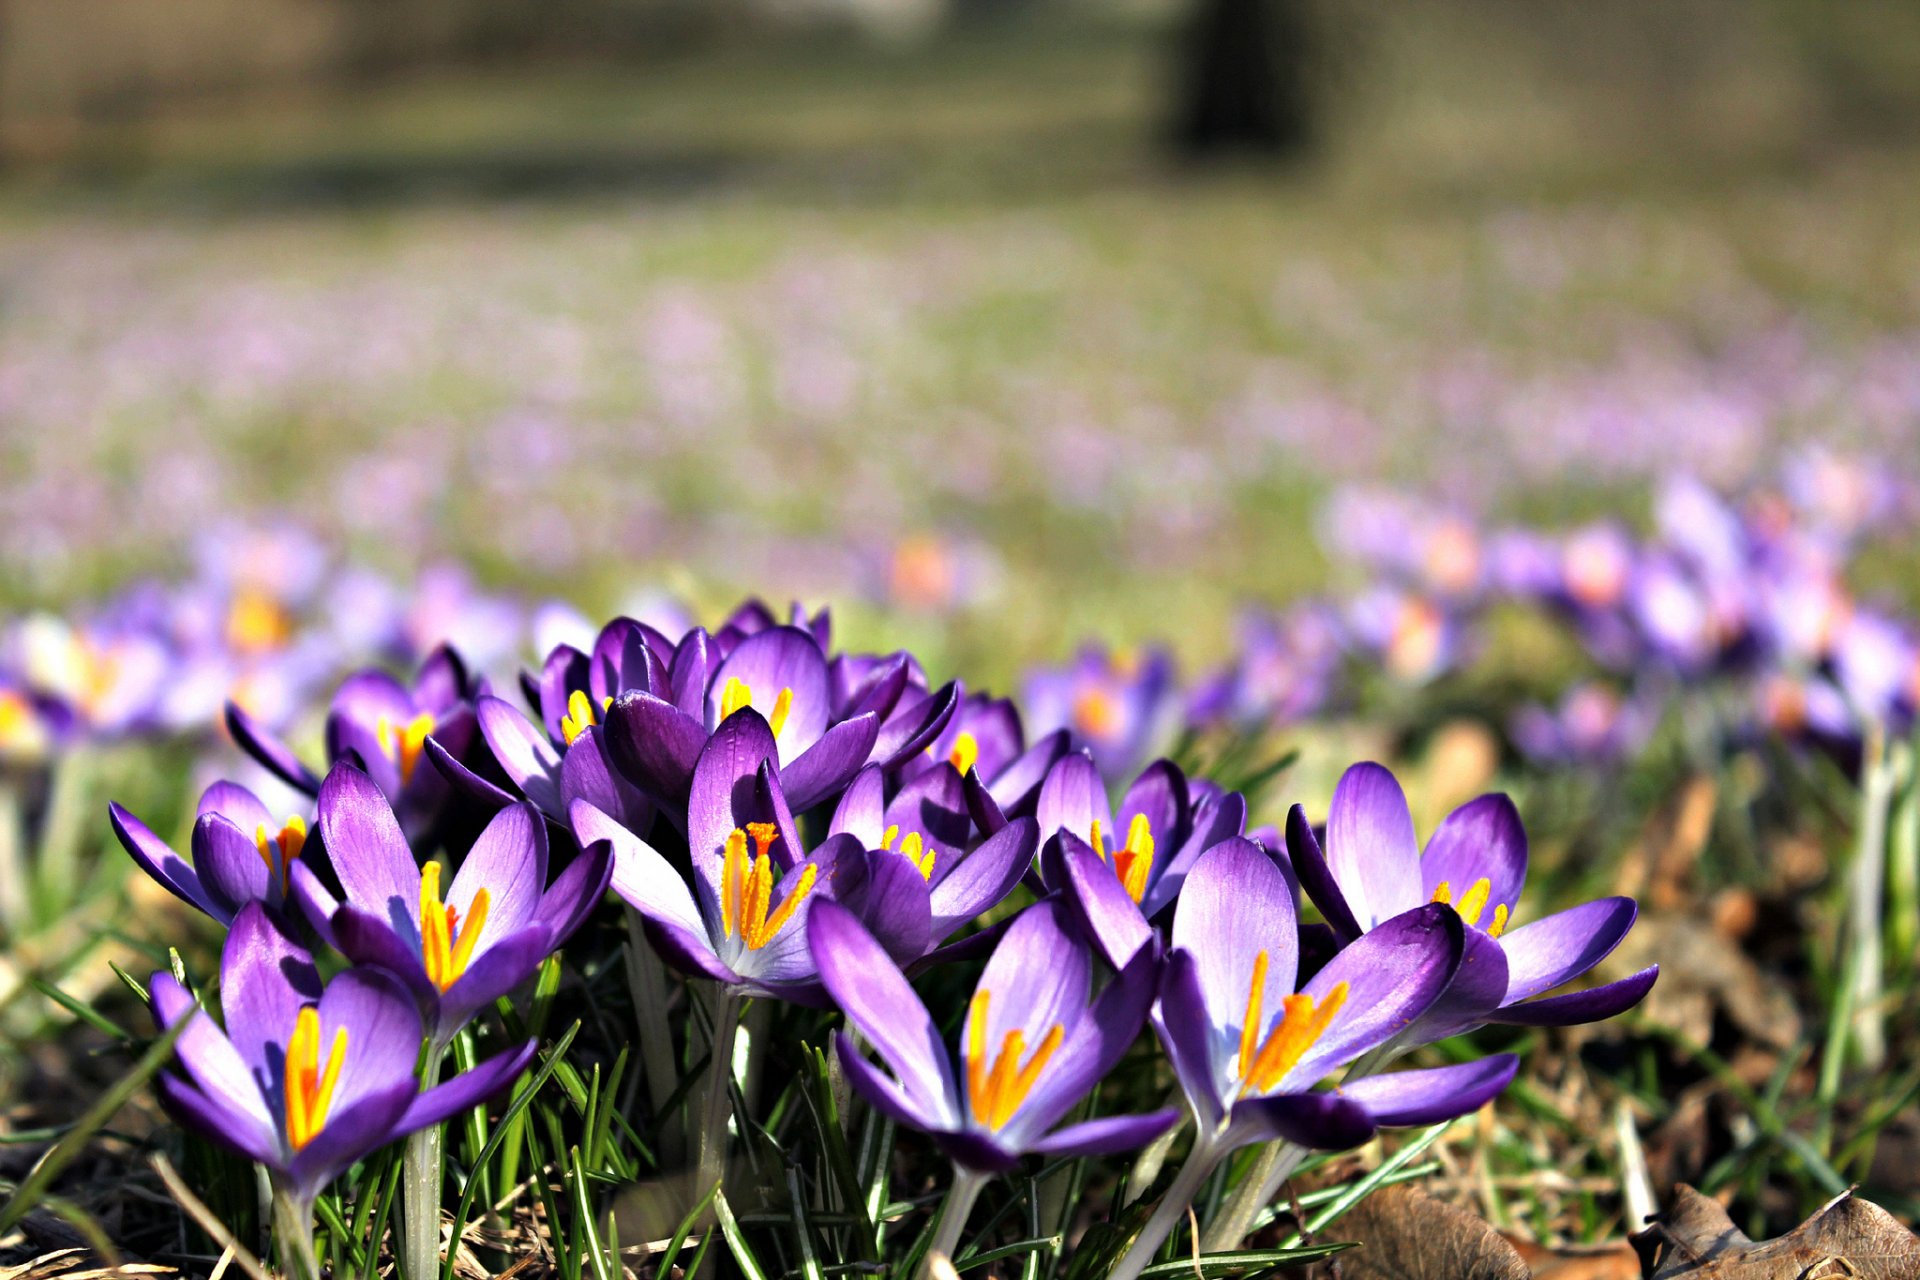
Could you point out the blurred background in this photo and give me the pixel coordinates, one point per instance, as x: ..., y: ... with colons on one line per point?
x: 1037, y: 318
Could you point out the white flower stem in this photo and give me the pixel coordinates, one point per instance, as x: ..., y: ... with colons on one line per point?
x: 954, y: 1212
x: 1171, y: 1210
x: 711, y: 1153
x: 421, y: 1180
x: 647, y: 979
x: 1275, y: 1165
x: 293, y: 1235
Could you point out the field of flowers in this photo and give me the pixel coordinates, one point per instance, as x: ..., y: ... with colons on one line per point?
x: 400, y: 814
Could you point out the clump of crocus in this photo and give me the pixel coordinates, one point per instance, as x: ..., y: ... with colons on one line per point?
x: 1032, y: 1046
x: 241, y: 852
x: 306, y: 1081
x: 1373, y: 871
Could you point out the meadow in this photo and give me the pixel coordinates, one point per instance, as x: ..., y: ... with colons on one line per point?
x: 1551, y: 433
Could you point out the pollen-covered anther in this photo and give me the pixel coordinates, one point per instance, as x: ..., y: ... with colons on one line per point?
x: 279, y: 848
x: 1133, y: 860
x: 309, y: 1088
x: 738, y: 694
x: 580, y: 716
x: 1301, y: 1025
x: 995, y: 1092
x: 919, y: 853
x: 746, y: 887
x: 965, y: 753
x: 1473, y: 904
x: 404, y: 743
x: 447, y: 945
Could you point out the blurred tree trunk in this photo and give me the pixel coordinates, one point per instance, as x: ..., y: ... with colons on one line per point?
x: 1244, y: 83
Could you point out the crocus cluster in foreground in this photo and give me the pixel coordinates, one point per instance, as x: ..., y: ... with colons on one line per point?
x: 791, y: 823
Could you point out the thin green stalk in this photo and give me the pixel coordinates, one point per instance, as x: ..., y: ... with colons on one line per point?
x: 1276, y: 1164
x: 1170, y: 1212
x: 293, y: 1237
x: 647, y: 980
x: 1903, y: 862
x: 1866, y: 895
x: 711, y: 1153
x: 420, y: 1188
x: 954, y: 1213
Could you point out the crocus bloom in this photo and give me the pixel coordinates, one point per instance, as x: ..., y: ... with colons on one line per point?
x: 1248, y: 1048
x: 383, y: 726
x: 498, y: 919
x: 1032, y: 1046
x: 1119, y: 874
x: 656, y: 737
x: 743, y: 922
x: 1121, y: 704
x: 306, y: 1081
x: 551, y: 772
x: 985, y: 743
x: 1476, y: 861
x: 924, y: 877
x: 241, y: 852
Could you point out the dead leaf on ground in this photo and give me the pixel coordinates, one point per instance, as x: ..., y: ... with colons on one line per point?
x: 1599, y: 1262
x: 1702, y: 975
x: 1850, y: 1237
x: 1406, y: 1234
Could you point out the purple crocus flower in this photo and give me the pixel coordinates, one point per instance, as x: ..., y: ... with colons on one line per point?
x: 1372, y: 872
x: 303, y: 1080
x: 1118, y: 875
x: 743, y: 921
x: 383, y: 726
x: 1032, y: 1046
x: 241, y: 852
x: 657, y: 737
x: 924, y: 876
x: 1122, y: 704
x: 497, y: 922
x: 984, y: 741
x: 550, y: 772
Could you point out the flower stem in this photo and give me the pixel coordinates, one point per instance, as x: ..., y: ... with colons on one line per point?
x: 1274, y: 1166
x: 954, y: 1212
x: 711, y: 1153
x: 293, y: 1236
x: 647, y: 979
x: 421, y: 1180
x: 1168, y: 1213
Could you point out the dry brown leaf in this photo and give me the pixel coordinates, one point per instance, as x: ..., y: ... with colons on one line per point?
x: 1703, y: 975
x: 1603, y: 1262
x: 1850, y: 1237
x: 1406, y: 1234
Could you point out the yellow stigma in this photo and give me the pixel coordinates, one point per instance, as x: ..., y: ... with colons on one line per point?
x: 287, y: 842
x: 1301, y: 1024
x: 445, y: 944
x: 309, y: 1089
x: 579, y: 717
x: 1134, y: 859
x: 746, y: 887
x: 257, y: 624
x: 738, y: 693
x: 1096, y: 713
x: 965, y: 753
x: 406, y: 743
x: 919, y: 853
x: 995, y: 1092
x: 1473, y: 903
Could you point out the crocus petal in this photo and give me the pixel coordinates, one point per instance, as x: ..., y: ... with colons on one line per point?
x: 1321, y: 1121
x: 509, y: 861
x: 365, y: 845
x: 1159, y: 794
x: 1235, y: 905
x: 824, y: 767
x: 273, y: 754
x: 1015, y: 786
x: 349, y: 1136
x: 442, y: 680
x: 911, y: 729
x: 1394, y: 973
x: 892, y: 900
x: 393, y: 945
x: 687, y: 676
x: 587, y: 773
x: 229, y: 864
x: 1073, y: 798
x: 1187, y: 1031
x: 211, y: 1059
x: 879, y: 691
x: 982, y: 879
x: 1222, y: 819
x: 523, y: 750
x: 265, y: 976
x: 1593, y: 1005
x: 576, y: 891
x: 1037, y: 979
x: 1371, y: 848
x: 688, y: 951
x: 465, y: 781
x: 655, y: 744
x: 786, y: 959
x: 770, y: 805
x: 877, y: 999
x: 503, y: 966
x: 981, y: 806
x: 934, y: 804
x: 383, y: 1033
x: 889, y: 1096
x: 1479, y: 986
x: 1546, y: 953
x: 722, y: 797
x: 563, y: 673
x: 364, y: 697
x: 1106, y: 1136
x: 1099, y: 902
x: 467, y: 1090
x: 975, y: 1150
x: 768, y: 662
x: 1482, y: 839
x: 863, y: 808
x: 1402, y: 1098
x: 1316, y: 877
x: 236, y: 804
x: 251, y: 1136
x: 172, y: 871
x: 641, y: 876
x: 1092, y: 1047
